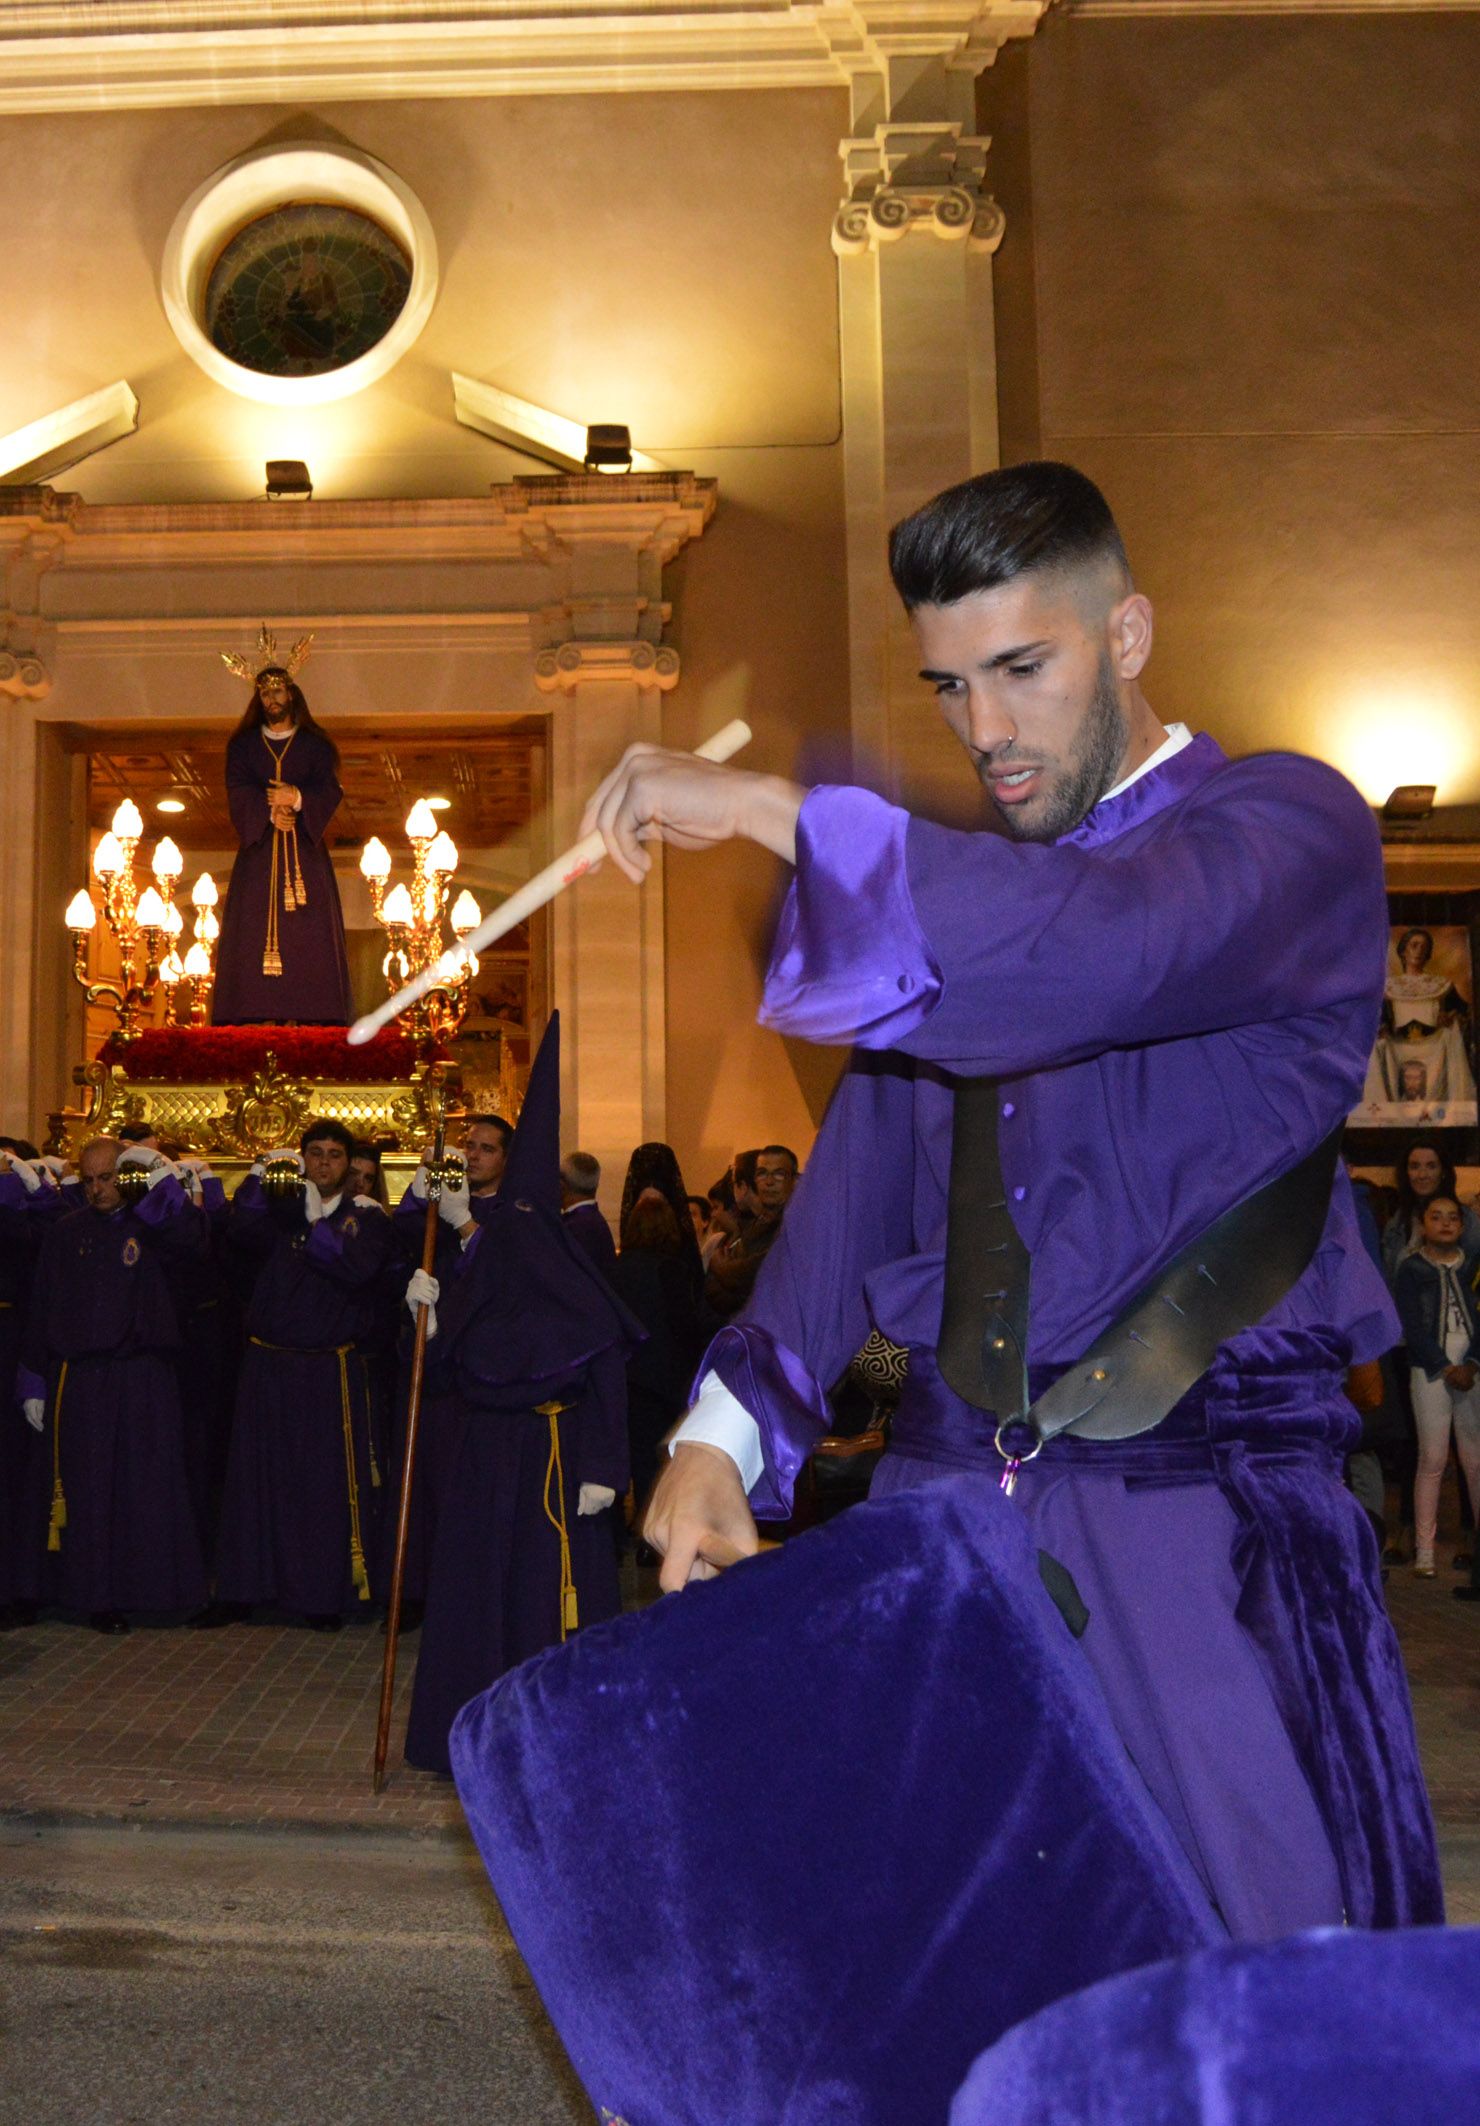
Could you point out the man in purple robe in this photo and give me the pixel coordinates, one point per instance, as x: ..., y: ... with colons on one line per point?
x: 281, y: 957
x: 29, y: 1199
x: 301, y: 1500
x: 531, y: 1348
x: 1172, y: 965
x: 585, y: 1220
x: 480, y: 1157
x: 109, y: 1503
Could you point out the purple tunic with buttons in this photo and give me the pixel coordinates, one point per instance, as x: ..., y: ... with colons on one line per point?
x: 1179, y: 998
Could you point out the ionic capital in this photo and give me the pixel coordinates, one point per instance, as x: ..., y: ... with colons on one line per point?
x: 576, y: 664
x: 906, y: 180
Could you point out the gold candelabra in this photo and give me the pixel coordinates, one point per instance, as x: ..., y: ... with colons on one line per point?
x: 145, y: 925
x: 414, y: 917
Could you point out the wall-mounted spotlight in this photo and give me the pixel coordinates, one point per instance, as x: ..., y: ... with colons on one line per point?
x: 608, y: 447
x: 1410, y: 802
x: 288, y: 480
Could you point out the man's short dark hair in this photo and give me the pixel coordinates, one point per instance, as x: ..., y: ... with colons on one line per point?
x: 328, y: 1131
x: 780, y: 1151
x: 21, y: 1146
x: 362, y: 1148
x: 982, y: 534
x: 744, y: 1169
x: 505, y: 1129
x: 134, y: 1132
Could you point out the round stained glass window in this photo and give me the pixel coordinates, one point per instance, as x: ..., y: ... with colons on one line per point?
x: 305, y: 290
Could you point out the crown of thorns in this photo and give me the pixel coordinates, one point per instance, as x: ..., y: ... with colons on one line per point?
x: 267, y: 658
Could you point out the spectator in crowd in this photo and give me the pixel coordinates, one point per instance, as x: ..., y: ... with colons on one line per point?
x: 772, y: 1175
x: 112, y: 1527
x: 654, y: 1277
x: 531, y: 1342
x: 747, y: 1203
x: 1442, y: 1337
x: 655, y: 1167
x: 701, y: 1211
x: 29, y: 1200
x: 1425, y: 1170
x: 580, y: 1178
x: 366, y: 1177
x: 139, y: 1133
x: 298, y: 1518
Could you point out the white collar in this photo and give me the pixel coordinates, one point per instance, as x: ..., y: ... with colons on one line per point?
x: 1177, y: 737
x: 332, y: 1203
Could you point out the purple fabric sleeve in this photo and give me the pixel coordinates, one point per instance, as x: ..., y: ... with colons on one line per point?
x: 850, y: 962
x: 29, y: 1386
x: 171, y: 1220
x: 788, y: 1406
x: 1000, y: 958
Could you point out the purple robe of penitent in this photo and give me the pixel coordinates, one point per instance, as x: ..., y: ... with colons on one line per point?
x: 109, y: 1501
x: 24, y: 1217
x: 313, y: 988
x: 302, y: 1496
x: 1178, y: 999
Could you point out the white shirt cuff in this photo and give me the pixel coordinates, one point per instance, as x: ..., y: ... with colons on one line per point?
x: 720, y: 1419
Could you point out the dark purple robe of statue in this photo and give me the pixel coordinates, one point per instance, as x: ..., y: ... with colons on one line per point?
x: 109, y: 1502
x: 313, y: 988
x: 532, y: 1346
x: 1179, y: 999
x: 302, y: 1498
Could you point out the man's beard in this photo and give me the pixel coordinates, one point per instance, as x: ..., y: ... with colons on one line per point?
x: 1103, y: 737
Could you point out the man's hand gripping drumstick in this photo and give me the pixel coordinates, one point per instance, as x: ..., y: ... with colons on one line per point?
x: 698, y: 1518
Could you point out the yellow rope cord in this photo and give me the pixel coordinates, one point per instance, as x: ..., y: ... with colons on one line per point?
x: 369, y: 1422
x: 272, y: 957
x: 358, y: 1569
x: 58, y: 1496
x: 569, y: 1616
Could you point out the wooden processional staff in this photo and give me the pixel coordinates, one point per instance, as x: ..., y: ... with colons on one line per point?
x: 542, y: 888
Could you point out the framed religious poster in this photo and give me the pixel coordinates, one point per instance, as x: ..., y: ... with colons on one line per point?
x: 1421, y: 1073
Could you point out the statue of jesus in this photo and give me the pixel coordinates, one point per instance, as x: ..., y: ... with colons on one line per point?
x: 281, y: 959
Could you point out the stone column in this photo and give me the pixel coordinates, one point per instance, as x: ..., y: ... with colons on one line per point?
x: 608, y: 943
x: 914, y: 237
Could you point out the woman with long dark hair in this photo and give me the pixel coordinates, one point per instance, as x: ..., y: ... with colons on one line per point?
x: 281, y: 959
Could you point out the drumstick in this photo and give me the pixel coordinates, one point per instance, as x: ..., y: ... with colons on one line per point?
x: 543, y: 887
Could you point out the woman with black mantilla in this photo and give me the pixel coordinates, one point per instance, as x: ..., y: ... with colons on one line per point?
x: 281, y: 959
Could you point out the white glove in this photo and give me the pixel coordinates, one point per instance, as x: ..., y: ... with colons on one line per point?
x: 595, y: 1498
x: 454, y: 1206
x: 29, y: 1175
x: 201, y: 1168
x: 424, y: 1290
x: 289, y: 1151
x: 366, y: 1203
x: 34, y: 1407
x: 57, y: 1168
x: 313, y: 1203
x: 139, y: 1155
x: 162, y: 1172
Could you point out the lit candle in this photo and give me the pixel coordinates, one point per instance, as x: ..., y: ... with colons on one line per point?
x: 442, y: 856
x: 170, y: 969
x: 81, y: 914
x: 168, y: 862
x: 151, y: 911
x: 210, y: 928
x: 128, y: 821
x: 203, y: 892
x: 375, y: 859
x: 398, y: 905
x: 466, y: 914
x: 421, y: 821
x: 174, y: 922
x: 197, y: 962
x: 108, y: 857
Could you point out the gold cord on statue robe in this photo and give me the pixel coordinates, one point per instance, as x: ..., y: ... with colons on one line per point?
x: 286, y: 865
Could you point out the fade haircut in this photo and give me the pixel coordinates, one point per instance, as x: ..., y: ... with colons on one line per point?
x: 1035, y: 517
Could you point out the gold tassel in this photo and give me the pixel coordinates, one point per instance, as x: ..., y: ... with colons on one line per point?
x: 569, y: 1611
x: 58, y: 1496
x: 272, y: 958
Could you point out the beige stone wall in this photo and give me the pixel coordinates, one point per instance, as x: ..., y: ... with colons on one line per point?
x: 1238, y: 287
x: 658, y: 259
